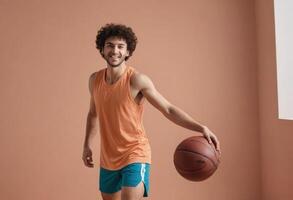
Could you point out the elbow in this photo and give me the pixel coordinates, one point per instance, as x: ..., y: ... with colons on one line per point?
x: 92, y: 120
x: 92, y: 114
x: 168, y: 110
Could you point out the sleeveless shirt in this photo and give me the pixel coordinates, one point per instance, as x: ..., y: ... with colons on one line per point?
x: 123, y: 137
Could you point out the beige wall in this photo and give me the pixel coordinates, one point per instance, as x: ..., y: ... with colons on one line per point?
x: 276, y: 135
x: 201, y: 55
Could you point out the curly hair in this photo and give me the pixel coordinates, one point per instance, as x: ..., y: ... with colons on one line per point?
x: 116, y: 30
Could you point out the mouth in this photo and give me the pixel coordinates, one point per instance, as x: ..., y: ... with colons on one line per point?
x: 114, y: 57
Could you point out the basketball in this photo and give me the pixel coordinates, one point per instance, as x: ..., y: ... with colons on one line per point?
x: 195, y: 159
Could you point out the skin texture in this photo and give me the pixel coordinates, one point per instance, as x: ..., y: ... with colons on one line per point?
x: 114, y: 52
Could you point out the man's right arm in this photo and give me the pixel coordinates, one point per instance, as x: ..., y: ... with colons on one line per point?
x: 91, y: 126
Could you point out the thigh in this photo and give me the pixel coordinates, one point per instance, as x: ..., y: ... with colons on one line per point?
x: 132, y: 193
x: 135, y: 181
x: 113, y: 196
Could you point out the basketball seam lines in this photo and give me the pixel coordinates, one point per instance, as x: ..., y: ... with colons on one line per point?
x: 213, y: 149
x: 207, y: 145
x: 198, y: 154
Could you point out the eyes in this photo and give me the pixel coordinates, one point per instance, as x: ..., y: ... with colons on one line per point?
x: 113, y: 46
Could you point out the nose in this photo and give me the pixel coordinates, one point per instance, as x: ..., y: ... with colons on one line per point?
x: 115, y: 49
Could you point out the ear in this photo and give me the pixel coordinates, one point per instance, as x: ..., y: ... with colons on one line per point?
x: 102, y: 52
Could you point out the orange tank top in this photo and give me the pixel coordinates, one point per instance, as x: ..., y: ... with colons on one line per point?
x: 123, y: 137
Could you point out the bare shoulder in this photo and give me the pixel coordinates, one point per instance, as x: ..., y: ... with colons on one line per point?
x: 141, y: 81
x: 145, y: 85
x: 91, y: 81
x: 93, y: 76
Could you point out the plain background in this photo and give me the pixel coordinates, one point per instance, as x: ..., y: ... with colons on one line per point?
x: 213, y: 59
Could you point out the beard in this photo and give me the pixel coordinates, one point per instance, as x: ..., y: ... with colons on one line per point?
x: 111, y: 64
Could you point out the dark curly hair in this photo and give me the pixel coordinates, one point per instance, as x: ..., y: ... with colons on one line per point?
x: 116, y: 30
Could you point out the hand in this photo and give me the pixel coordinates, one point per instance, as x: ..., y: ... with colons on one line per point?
x: 211, y: 137
x: 87, y: 157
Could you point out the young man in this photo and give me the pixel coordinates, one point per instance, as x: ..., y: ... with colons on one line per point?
x: 117, y: 96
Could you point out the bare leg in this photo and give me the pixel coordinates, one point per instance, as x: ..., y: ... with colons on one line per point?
x: 133, y: 193
x: 114, y: 196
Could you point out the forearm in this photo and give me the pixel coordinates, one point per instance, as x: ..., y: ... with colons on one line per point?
x: 181, y: 118
x: 91, y: 129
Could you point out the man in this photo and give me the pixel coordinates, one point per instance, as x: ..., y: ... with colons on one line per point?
x: 117, y: 96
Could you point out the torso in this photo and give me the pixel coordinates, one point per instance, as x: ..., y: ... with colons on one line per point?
x: 135, y: 93
x: 121, y: 119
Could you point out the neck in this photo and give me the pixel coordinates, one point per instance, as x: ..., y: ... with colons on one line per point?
x: 113, y: 73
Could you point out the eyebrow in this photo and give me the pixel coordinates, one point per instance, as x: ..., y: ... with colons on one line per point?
x: 114, y: 44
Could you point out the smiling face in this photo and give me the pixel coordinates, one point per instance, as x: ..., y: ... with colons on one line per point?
x: 115, y: 51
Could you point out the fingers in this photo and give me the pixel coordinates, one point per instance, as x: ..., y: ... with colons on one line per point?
x: 88, y: 161
x: 213, y: 139
x: 216, y: 143
x: 87, y: 158
x: 208, y: 137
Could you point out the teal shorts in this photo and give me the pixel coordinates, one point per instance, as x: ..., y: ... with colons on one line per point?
x: 112, y: 181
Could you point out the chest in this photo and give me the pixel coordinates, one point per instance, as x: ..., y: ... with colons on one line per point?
x: 117, y: 95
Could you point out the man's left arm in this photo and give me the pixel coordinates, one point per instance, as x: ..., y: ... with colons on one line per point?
x: 173, y: 113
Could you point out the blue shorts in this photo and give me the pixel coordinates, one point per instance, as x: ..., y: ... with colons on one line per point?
x: 112, y: 181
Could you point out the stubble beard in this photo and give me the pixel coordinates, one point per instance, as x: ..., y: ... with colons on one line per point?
x: 116, y: 65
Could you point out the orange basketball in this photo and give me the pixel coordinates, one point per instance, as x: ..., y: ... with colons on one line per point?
x: 195, y: 159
